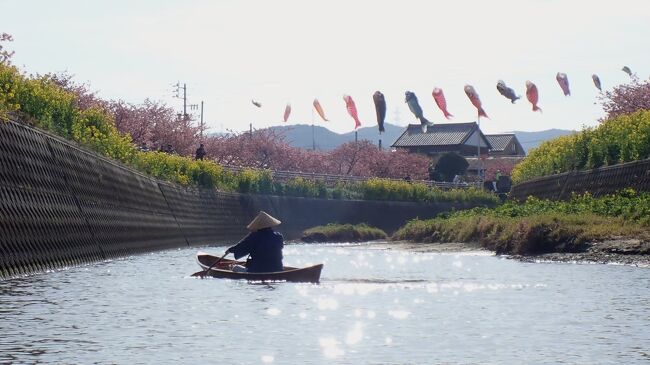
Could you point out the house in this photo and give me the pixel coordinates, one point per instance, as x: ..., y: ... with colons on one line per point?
x: 505, y: 144
x: 497, y: 151
x: 462, y: 138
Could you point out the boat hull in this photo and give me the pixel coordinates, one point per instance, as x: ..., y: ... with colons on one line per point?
x: 223, y: 270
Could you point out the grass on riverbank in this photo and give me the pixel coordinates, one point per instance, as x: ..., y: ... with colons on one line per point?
x: 540, y: 226
x: 343, y: 233
x: 543, y: 233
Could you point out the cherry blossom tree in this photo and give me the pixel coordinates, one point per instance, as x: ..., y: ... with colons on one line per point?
x: 5, y: 55
x: 84, y: 97
x: 627, y: 98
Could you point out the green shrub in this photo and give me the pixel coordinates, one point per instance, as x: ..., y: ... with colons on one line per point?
x: 343, y: 233
x: 617, y: 140
x: 539, y: 226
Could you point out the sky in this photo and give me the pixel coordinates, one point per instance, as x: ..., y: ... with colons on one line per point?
x: 292, y: 51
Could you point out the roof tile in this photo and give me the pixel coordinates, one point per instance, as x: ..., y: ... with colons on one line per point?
x: 443, y: 134
x: 499, y: 142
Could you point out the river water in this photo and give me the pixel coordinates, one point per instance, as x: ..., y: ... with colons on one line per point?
x: 373, y: 306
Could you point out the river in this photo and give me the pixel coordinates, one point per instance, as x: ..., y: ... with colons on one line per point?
x: 373, y: 306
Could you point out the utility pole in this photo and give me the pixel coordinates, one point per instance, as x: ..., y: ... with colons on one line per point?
x: 184, y: 101
x: 185, y: 116
x: 313, y: 135
x: 201, y: 126
x: 177, y: 90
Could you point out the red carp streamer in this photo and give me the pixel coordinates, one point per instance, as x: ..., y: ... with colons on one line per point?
x: 473, y: 97
x: 439, y: 97
x: 532, y: 95
x: 352, y: 110
x: 287, y: 112
x: 319, y: 109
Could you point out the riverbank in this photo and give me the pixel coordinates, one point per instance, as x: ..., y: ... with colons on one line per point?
x: 633, y: 252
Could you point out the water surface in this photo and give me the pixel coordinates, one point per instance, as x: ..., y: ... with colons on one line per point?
x: 373, y: 306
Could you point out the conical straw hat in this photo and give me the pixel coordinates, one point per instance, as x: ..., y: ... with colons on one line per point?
x: 263, y: 220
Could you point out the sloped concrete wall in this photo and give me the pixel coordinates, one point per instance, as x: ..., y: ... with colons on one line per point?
x: 62, y: 205
x: 601, y: 181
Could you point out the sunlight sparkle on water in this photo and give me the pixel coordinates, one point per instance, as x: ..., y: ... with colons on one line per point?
x: 399, y: 314
x: 267, y: 359
x: 355, y: 334
x: 330, y: 347
x: 273, y: 311
x: 327, y: 303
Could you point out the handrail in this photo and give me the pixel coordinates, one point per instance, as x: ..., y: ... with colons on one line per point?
x: 331, y: 179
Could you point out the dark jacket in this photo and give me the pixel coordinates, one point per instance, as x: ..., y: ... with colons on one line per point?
x: 200, y: 153
x: 265, y: 247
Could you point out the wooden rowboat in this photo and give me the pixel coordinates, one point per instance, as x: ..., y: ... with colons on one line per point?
x: 223, y: 270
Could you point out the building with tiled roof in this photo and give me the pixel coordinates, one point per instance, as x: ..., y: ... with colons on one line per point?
x: 461, y: 138
x: 505, y: 144
x: 499, y: 152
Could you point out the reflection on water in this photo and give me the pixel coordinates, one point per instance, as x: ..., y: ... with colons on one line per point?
x: 372, y: 307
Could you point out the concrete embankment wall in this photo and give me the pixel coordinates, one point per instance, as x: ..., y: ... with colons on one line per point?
x: 601, y: 181
x: 62, y: 205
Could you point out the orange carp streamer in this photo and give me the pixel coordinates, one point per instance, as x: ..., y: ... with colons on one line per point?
x: 319, y: 109
x: 352, y: 110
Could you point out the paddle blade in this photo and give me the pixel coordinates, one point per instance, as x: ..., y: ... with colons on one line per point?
x: 199, y: 274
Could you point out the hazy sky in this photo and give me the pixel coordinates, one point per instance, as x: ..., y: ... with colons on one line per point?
x: 229, y: 52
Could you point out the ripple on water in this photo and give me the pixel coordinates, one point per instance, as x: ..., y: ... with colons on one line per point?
x: 429, y: 308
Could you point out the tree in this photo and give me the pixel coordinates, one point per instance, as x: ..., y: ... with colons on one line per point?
x: 350, y: 158
x: 5, y: 55
x: 84, y: 98
x: 451, y: 164
x: 626, y: 99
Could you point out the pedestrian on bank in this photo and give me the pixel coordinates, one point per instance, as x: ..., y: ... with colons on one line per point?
x: 200, y: 152
x: 497, y: 176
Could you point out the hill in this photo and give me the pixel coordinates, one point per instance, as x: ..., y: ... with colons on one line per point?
x: 300, y: 135
x: 531, y: 140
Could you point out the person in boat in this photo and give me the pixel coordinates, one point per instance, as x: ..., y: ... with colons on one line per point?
x: 262, y: 244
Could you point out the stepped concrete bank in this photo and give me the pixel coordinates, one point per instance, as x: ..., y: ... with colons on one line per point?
x: 62, y: 205
x: 601, y: 181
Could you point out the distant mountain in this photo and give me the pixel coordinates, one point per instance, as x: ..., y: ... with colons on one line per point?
x: 300, y: 135
x: 531, y: 140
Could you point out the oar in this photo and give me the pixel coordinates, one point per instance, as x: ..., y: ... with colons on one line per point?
x: 202, y: 273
